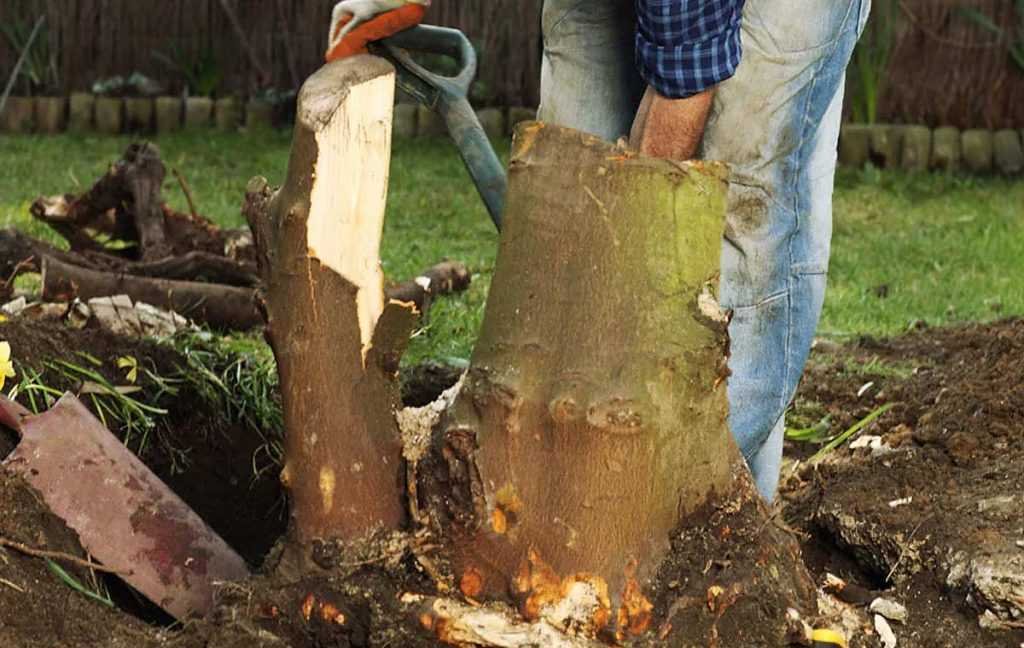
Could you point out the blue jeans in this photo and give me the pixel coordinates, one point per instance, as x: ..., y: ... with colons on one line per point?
x: 776, y: 122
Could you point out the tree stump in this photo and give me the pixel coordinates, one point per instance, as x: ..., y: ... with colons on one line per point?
x: 110, y: 115
x: 585, y: 472
x: 336, y: 341
x: 169, y: 111
x: 138, y: 114
x: 82, y: 105
x: 51, y: 114
x: 17, y: 117
x: 597, y: 386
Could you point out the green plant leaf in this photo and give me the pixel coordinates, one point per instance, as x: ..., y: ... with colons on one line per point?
x: 854, y: 429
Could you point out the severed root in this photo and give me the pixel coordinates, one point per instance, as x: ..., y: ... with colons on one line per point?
x: 441, y: 279
x: 460, y: 624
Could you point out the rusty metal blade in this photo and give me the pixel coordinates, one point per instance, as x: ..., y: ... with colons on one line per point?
x: 124, y: 515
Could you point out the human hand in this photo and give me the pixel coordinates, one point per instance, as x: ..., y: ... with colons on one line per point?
x: 670, y: 128
x: 355, y: 23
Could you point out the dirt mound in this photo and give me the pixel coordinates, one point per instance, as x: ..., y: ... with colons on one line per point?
x: 935, y: 514
x: 932, y: 517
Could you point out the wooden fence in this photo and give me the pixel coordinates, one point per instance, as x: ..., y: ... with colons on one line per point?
x: 96, y: 39
x: 944, y: 68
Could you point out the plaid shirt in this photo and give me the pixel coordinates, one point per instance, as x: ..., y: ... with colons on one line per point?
x: 686, y: 46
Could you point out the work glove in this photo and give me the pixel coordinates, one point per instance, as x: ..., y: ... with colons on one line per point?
x: 355, y: 23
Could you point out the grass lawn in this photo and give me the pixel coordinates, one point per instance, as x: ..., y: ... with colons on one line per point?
x: 936, y: 248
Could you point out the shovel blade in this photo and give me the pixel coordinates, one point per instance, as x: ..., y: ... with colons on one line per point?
x: 125, y: 516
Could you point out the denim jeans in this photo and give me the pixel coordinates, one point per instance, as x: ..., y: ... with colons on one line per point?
x: 776, y: 122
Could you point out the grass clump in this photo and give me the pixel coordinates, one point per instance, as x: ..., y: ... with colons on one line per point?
x: 236, y: 376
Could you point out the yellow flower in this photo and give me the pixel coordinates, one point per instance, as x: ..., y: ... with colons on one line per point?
x: 132, y: 365
x: 6, y: 366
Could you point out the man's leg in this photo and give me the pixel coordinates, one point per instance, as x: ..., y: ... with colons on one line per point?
x: 776, y: 122
x: 588, y: 79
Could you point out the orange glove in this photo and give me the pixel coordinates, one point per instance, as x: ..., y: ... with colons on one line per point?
x: 348, y: 40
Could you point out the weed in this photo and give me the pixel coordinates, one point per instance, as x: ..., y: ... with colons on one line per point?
x: 817, y: 433
x: 852, y: 430
x: 40, y: 73
x: 96, y: 594
x: 201, y: 73
x: 870, y: 63
x: 1013, y: 38
x: 114, y: 405
x: 875, y: 366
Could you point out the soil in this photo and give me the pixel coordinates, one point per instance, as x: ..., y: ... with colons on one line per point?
x: 953, y: 446
x: 947, y: 489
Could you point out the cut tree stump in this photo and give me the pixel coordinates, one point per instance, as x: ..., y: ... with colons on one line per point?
x: 580, y: 484
x: 336, y: 341
x: 591, y: 429
x: 600, y: 370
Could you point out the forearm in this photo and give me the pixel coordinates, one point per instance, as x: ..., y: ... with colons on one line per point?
x: 671, y: 128
x: 684, y: 49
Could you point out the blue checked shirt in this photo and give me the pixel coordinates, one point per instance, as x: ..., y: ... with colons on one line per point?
x: 686, y: 46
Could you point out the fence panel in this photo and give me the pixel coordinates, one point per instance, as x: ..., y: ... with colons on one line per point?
x: 943, y: 66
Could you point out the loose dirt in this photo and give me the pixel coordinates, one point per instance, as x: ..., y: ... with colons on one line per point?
x: 934, y: 518
x: 931, y: 519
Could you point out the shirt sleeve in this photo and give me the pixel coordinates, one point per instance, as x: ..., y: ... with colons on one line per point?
x: 684, y: 47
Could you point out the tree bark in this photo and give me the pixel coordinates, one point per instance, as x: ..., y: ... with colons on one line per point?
x: 594, y: 414
x: 336, y: 341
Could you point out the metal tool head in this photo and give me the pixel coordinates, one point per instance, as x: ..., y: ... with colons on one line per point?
x: 125, y: 516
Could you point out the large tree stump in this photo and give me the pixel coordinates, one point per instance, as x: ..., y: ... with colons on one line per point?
x: 593, y: 419
x: 336, y: 342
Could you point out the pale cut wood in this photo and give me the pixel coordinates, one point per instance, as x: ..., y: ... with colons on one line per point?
x: 350, y: 186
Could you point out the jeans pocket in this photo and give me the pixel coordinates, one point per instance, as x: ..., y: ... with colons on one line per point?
x: 795, y: 26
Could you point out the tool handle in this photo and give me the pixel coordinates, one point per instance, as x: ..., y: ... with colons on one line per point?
x: 430, y: 39
x: 478, y: 155
x: 447, y: 97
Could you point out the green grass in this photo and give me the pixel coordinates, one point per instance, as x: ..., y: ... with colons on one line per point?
x: 433, y: 210
x: 936, y: 248
x: 941, y: 249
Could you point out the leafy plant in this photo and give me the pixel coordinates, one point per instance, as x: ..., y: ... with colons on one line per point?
x: 1013, y: 38
x: 817, y: 433
x: 870, y: 63
x: 202, y: 74
x: 122, y: 408
x: 136, y: 85
x: 40, y: 73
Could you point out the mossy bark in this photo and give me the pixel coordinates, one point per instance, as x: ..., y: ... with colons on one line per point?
x: 594, y: 414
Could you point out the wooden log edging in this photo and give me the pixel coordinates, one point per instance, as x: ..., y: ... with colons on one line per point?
x: 908, y: 147
x: 919, y: 148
